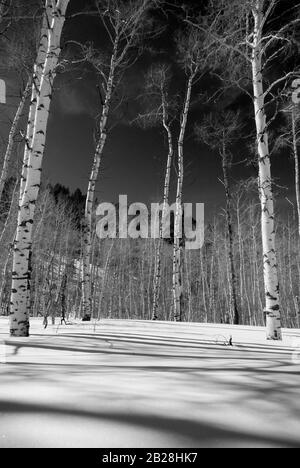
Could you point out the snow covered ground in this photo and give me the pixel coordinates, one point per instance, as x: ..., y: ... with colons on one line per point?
x: 148, y: 384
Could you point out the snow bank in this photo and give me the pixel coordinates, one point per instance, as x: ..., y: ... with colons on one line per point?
x: 148, y: 384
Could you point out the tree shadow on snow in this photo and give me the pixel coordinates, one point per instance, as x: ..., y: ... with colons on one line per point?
x: 194, y: 433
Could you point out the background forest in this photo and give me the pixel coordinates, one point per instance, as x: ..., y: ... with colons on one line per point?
x: 123, y: 270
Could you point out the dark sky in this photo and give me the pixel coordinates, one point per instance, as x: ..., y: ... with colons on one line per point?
x: 134, y: 159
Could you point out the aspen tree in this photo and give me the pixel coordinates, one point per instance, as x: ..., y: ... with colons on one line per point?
x: 265, y: 181
x: 125, y: 24
x: 296, y: 141
x: 177, y: 253
x: 19, y: 50
x: 219, y: 132
x: 160, y: 108
x: 166, y: 193
x: 20, y: 304
x: 38, y: 71
x: 250, y: 39
x: 193, y: 50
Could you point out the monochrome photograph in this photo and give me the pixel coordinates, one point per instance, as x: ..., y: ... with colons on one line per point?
x: 149, y: 227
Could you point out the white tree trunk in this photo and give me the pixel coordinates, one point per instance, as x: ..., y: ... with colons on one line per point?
x: 232, y: 280
x: 272, y: 310
x: 36, y: 81
x: 87, y: 221
x: 11, y: 138
x: 157, y: 273
x: 296, y: 159
x: 20, y: 304
x: 177, y: 252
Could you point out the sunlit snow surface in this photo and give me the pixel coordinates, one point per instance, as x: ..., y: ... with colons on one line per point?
x: 148, y: 384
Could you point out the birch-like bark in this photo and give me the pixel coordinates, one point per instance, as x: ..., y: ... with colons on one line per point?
x: 157, y: 273
x: 20, y: 303
x: 272, y: 310
x: 11, y: 137
x: 36, y: 81
x: 87, y: 221
x: 296, y: 159
x: 177, y: 251
x: 233, y: 282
